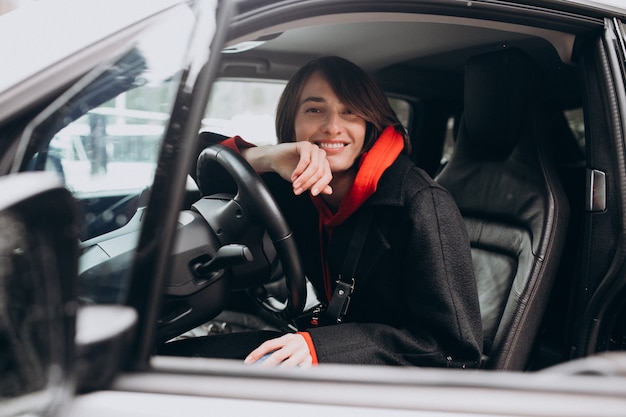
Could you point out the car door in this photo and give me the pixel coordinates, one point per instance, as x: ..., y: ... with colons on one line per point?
x: 601, y: 302
x: 120, y: 140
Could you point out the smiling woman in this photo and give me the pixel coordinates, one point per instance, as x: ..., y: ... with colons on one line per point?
x: 348, y: 185
x: 124, y: 101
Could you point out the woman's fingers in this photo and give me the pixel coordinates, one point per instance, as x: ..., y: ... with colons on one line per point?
x: 302, y: 163
x: 312, y: 172
x: 289, y: 350
x: 265, y: 348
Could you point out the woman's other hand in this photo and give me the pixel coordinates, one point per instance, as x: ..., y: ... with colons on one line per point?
x: 287, y: 351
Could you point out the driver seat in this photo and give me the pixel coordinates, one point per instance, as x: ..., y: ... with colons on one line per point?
x: 503, y: 178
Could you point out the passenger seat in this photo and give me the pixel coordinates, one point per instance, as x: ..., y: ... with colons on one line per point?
x: 503, y: 178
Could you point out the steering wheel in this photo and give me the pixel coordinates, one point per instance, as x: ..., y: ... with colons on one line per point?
x: 257, y: 204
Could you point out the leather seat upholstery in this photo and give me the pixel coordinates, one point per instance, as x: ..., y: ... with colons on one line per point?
x: 504, y: 180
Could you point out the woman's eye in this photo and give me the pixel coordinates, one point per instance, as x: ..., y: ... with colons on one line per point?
x: 312, y: 110
x: 350, y: 113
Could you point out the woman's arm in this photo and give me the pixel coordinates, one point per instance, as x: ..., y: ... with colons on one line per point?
x: 301, y: 163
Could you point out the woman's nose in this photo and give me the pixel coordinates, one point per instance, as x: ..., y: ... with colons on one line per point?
x: 332, y: 123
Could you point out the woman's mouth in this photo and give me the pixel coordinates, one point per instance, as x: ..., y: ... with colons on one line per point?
x: 331, y: 145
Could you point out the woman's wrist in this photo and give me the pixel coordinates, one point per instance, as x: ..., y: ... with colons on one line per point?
x: 258, y: 158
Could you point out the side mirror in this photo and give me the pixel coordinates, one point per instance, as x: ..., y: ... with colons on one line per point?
x: 49, y: 346
x: 38, y: 270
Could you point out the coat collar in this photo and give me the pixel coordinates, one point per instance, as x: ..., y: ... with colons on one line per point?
x: 372, y: 166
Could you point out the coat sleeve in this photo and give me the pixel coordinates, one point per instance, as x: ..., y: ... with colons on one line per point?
x: 434, y: 288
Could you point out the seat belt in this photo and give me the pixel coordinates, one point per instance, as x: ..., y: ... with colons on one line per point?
x: 340, y: 300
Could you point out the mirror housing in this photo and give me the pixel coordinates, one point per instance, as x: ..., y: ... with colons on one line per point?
x: 43, y: 359
x: 103, y: 339
x: 38, y: 293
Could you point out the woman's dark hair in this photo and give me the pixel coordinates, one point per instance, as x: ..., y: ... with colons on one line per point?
x: 353, y: 86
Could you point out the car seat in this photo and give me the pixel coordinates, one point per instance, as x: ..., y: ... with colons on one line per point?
x: 504, y: 180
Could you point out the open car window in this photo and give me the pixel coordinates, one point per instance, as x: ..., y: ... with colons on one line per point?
x: 102, y: 138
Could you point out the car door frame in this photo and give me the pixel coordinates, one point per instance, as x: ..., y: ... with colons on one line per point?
x: 151, y: 268
x: 600, y: 299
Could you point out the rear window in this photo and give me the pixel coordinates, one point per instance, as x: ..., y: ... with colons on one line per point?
x: 248, y: 108
x: 244, y: 108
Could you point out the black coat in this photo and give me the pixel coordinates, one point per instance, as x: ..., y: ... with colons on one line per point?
x: 415, y: 300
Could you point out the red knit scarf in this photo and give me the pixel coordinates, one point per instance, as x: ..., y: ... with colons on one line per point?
x: 372, y: 164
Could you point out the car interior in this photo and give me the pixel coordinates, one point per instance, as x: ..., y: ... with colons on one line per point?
x: 495, y: 118
x: 498, y: 110
x: 130, y: 235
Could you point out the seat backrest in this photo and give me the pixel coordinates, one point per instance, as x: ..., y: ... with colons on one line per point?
x: 504, y: 181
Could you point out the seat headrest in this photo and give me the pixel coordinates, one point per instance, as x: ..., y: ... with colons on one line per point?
x: 499, y: 88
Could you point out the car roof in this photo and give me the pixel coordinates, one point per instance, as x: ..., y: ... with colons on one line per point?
x: 59, y: 40
x: 593, y: 7
x: 616, y: 6
x: 415, y: 48
x: 377, y: 35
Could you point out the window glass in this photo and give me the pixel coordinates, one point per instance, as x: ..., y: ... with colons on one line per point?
x: 576, y: 122
x: 574, y: 117
x: 403, y: 110
x: 248, y: 108
x: 103, y: 139
x: 114, y: 147
x: 449, y: 141
x: 244, y: 108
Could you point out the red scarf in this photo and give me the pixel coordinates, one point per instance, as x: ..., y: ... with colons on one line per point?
x: 372, y: 164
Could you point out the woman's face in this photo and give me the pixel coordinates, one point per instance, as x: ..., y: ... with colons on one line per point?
x: 322, y: 119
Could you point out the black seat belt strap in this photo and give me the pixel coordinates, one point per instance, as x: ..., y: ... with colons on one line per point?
x: 340, y: 300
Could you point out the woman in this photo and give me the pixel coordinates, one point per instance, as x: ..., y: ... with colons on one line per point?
x: 414, y: 300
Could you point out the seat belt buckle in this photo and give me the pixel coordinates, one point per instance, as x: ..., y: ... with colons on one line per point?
x: 316, y: 314
x: 341, y: 299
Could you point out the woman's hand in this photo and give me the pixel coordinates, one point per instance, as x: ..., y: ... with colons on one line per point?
x: 312, y: 172
x: 302, y: 163
x: 287, y: 351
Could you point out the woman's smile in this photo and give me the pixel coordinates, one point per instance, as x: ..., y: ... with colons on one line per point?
x: 323, y: 119
x: 331, y: 145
